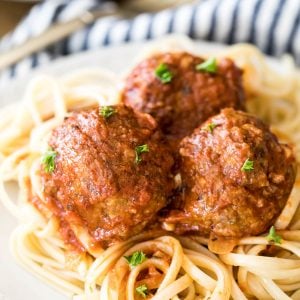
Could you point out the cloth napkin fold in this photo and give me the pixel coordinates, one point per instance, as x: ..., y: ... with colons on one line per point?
x: 272, y: 25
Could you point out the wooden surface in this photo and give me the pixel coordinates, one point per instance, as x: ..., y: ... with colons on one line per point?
x: 11, y: 13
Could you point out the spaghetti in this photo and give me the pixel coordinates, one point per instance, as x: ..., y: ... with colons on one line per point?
x: 177, y: 267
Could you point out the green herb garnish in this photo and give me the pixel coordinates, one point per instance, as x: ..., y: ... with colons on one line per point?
x: 273, y: 236
x: 136, y: 259
x: 210, y: 127
x: 48, y: 160
x: 142, y: 290
x: 163, y: 73
x: 106, y: 111
x: 248, y: 165
x: 209, y: 66
x: 138, y: 151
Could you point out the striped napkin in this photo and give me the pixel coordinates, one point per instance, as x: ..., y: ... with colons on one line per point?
x: 272, y: 25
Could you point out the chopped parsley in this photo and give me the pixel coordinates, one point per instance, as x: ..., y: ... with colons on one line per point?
x: 48, y: 160
x: 142, y: 290
x: 139, y: 150
x: 107, y: 111
x: 273, y: 236
x: 210, y: 127
x: 136, y: 258
x: 210, y: 66
x: 248, y: 165
x: 163, y: 73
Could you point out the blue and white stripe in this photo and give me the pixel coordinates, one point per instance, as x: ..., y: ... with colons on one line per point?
x: 272, y: 25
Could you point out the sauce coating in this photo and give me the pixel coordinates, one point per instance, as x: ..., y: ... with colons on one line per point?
x: 97, y: 182
x: 191, y: 96
x: 236, y: 177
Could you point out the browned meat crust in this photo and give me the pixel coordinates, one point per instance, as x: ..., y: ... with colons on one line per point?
x: 190, y: 98
x: 97, y: 182
x: 220, y: 198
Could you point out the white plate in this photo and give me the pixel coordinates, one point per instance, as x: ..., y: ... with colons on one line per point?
x: 15, y: 283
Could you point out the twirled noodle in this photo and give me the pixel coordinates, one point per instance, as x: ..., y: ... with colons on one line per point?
x: 179, y: 267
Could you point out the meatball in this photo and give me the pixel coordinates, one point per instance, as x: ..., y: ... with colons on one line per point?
x: 112, y: 172
x: 236, y: 177
x: 181, y: 103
